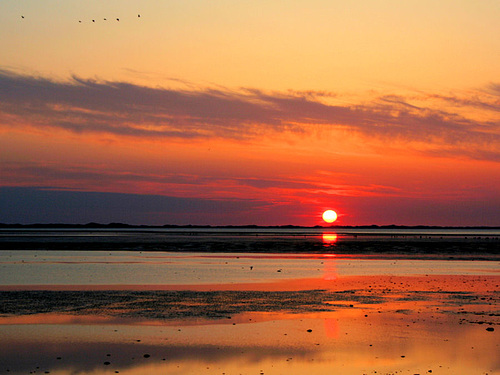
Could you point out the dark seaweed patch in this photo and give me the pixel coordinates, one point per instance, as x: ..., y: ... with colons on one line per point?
x: 172, y: 304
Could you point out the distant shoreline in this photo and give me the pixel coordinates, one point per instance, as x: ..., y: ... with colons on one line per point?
x: 133, y: 226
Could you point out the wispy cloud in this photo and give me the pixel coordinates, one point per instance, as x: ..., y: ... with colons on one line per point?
x: 266, y: 189
x: 124, y: 109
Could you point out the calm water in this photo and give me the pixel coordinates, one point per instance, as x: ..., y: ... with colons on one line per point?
x: 398, y: 327
x: 163, y: 268
x: 201, y: 264
x: 338, y: 344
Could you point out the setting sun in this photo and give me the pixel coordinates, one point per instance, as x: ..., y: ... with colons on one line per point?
x: 329, y: 216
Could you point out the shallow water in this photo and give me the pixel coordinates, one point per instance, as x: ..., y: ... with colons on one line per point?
x: 161, y: 268
x: 245, y: 313
x: 346, y: 342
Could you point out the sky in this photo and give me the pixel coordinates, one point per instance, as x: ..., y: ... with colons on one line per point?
x: 250, y: 112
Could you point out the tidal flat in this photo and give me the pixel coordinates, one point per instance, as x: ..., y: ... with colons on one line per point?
x: 140, y: 312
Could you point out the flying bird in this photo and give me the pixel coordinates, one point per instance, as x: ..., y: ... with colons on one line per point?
x: 118, y: 19
x: 22, y: 16
x: 139, y: 15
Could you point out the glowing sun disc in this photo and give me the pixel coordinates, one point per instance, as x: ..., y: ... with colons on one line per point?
x: 329, y: 216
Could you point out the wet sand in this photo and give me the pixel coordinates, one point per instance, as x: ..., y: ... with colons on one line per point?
x: 440, y: 324
x: 348, y: 306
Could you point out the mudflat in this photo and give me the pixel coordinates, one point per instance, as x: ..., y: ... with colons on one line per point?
x: 283, y: 312
x: 444, y: 324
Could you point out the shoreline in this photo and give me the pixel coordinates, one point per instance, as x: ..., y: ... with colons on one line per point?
x: 473, y: 249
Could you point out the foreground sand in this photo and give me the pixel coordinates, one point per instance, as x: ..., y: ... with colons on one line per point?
x: 439, y: 324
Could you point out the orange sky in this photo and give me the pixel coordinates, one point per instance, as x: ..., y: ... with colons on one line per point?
x: 250, y: 112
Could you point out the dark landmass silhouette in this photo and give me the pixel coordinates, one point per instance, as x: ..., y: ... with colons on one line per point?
x: 93, y: 225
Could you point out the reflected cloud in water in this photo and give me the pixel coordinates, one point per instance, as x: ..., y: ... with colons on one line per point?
x: 315, y: 344
x: 87, y: 357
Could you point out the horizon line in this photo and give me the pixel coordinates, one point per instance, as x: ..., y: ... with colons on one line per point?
x: 118, y: 225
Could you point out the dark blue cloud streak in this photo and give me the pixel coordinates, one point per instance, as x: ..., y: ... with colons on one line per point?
x: 28, y: 205
x: 125, y: 109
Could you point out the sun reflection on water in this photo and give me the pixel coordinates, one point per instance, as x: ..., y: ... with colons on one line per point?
x: 329, y: 238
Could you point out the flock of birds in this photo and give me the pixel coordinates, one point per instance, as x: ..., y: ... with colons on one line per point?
x: 105, y: 19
